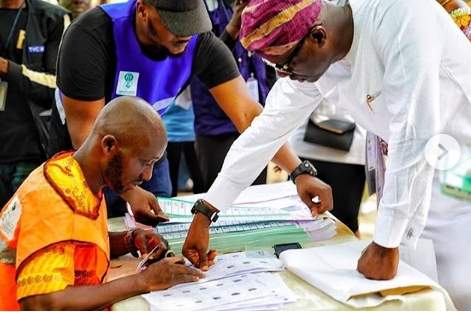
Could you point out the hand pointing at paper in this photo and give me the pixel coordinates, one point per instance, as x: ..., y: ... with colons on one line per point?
x: 196, y: 243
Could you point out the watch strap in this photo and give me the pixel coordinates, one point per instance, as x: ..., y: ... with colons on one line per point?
x: 303, y: 168
x: 206, y: 209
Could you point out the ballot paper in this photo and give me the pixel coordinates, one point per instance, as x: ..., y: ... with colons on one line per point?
x: 171, y: 231
x: 240, y: 263
x: 332, y: 269
x: 263, y: 215
x: 236, y: 281
x: 320, y: 229
x: 264, y: 211
x: 289, y: 209
x: 247, y: 291
x: 258, y: 193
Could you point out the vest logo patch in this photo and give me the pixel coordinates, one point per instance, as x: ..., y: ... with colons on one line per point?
x: 36, y: 49
x: 9, y: 218
x: 127, y: 83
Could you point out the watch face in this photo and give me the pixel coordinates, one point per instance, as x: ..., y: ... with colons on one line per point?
x: 304, y: 168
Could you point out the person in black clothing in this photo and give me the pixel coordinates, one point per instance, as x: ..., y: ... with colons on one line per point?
x: 89, y: 74
x: 30, y: 32
x: 76, y: 7
x: 181, y: 153
x: 215, y: 132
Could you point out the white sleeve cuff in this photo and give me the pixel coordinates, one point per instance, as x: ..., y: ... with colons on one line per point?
x: 389, y: 228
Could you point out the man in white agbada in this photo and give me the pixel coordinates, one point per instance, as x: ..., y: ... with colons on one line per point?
x: 408, y: 78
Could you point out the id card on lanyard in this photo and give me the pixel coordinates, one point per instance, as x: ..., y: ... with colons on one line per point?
x: 375, y: 166
x: 252, y: 85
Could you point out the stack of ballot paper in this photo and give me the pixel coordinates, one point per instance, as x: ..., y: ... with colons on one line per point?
x: 261, y: 216
x: 332, y: 269
x: 237, y: 281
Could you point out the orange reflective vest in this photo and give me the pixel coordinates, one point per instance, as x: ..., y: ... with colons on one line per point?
x: 53, y: 205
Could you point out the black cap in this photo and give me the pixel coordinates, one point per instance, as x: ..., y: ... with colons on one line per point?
x: 184, y: 17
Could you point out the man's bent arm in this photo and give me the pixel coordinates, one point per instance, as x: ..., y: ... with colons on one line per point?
x: 80, y: 116
x: 288, y: 105
x: 86, y: 297
x: 413, y: 98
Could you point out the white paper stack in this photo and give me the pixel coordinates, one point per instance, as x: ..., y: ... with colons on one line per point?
x: 235, y: 282
x: 260, y: 207
x: 321, y: 229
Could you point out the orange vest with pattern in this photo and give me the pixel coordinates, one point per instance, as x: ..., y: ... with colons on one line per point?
x: 53, y: 205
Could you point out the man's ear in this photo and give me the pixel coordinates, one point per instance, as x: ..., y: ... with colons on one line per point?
x: 318, y: 34
x: 109, y: 144
x: 141, y: 9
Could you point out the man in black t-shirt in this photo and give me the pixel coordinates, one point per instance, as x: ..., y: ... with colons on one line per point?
x: 87, y: 66
x: 88, y: 77
x: 30, y: 32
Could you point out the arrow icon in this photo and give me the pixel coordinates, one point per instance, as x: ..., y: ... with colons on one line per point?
x: 443, y: 151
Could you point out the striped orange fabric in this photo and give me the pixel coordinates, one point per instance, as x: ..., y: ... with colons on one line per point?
x: 276, y: 21
x: 273, y: 27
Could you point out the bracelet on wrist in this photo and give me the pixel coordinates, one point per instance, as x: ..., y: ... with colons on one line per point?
x: 129, y: 238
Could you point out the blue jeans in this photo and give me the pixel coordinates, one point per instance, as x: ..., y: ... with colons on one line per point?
x: 159, y: 185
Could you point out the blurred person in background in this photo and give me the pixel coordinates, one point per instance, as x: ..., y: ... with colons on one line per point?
x: 215, y: 132
x: 179, y: 122
x: 30, y: 33
x: 76, y: 7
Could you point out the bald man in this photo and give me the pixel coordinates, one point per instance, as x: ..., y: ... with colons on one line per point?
x: 54, y: 244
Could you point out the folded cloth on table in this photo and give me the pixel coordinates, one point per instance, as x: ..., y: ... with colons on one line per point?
x: 332, y: 269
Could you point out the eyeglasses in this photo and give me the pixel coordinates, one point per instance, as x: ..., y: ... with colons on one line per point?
x: 285, y: 68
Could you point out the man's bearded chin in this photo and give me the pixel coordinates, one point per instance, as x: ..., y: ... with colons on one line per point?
x: 156, y: 51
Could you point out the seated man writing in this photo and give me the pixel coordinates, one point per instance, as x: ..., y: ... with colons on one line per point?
x: 55, y: 248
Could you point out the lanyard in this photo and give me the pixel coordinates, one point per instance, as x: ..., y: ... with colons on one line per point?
x: 227, y: 12
x: 12, y: 29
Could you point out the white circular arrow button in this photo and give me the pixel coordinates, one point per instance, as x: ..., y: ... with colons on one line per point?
x: 442, y: 152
